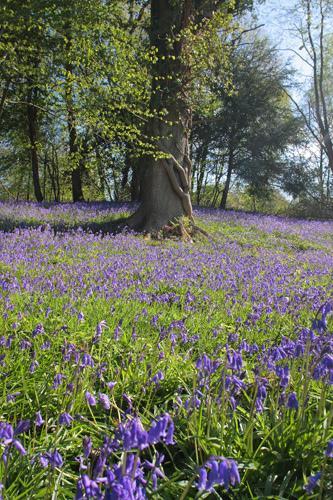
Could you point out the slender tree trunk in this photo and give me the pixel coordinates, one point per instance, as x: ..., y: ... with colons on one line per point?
x: 28, y: 185
x: 201, y: 173
x: 33, y: 139
x: 318, y: 82
x: 3, y: 97
x: 135, y: 181
x: 44, y: 174
x: 76, y: 172
x: 100, y: 170
x: 226, y: 188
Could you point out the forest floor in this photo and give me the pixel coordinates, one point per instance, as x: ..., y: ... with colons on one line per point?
x: 133, y: 367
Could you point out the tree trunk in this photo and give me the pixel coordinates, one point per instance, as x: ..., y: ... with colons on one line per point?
x: 318, y: 64
x: 135, y: 181
x: 202, y: 162
x: 225, y: 193
x: 32, y: 132
x: 76, y: 173
x: 165, y: 182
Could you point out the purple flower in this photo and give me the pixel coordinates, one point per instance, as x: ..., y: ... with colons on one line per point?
x: 87, y: 446
x: 128, y: 400
x: 312, y: 482
x: 283, y: 373
x: 87, y: 360
x: 126, y: 480
x: 39, y: 330
x: 22, y: 426
x: 11, y: 397
x: 65, y: 419
x: 98, y: 332
x: 235, y: 361
x: 292, y: 402
x: 133, y: 434
x: 58, y: 380
x: 104, y: 401
x: 329, y: 449
x: 38, y: 419
x: 157, y: 378
x: 261, y: 395
x: 7, y: 436
x: 33, y: 366
x: 88, y: 488
x: 218, y: 471
x: 54, y: 459
x: 110, y: 385
x: 162, y: 430
x: 91, y: 400
x: 156, y: 472
x: 327, y: 362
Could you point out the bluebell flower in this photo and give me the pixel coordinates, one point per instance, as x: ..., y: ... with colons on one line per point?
x: 329, y: 449
x: 156, y: 472
x: 312, y: 483
x: 88, y: 488
x: 235, y: 360
x: 65, y: 419
x: 98, y: 332
x: 162, y: 430
x: 87, y: 446
x: 87, y: 360
x: 7, y: 436
x: 22, y: 426
x: 58, y: 380
x: 292, y: 402
x: 134, y: 435
x: 327, y: 362
x: 34, y: 365
x: 38, y: 419
x: 218, y: 471
x: 104, y: 401
x: 110, y: 385
x: 52, y: 458
x: 91, y: 400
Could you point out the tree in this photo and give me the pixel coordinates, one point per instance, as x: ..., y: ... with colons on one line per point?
x: 247, y: 132
x: 166, y: 178
x: 312, y: 31
x: 78, y: 73
x: 21, y: 44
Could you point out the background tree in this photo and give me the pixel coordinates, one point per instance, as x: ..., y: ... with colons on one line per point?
x: 246, y: 133
x: 313, y: 98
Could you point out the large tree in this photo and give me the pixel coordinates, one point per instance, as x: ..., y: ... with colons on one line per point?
x: 166, y: 177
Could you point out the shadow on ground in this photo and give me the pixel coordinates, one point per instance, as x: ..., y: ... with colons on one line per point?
x: 104, y: 227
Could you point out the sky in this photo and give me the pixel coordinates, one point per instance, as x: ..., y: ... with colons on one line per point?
x: 278, y: 25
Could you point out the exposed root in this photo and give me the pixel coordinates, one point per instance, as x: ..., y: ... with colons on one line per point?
x: 198, y: 229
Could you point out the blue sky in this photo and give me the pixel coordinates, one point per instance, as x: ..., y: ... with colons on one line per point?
x: 279, y: 22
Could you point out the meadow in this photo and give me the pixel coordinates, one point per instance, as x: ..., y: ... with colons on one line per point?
x: 136, y: 368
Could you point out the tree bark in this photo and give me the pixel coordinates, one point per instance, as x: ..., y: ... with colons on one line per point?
x: 226, y: 188
x: 135, y: 181
x: 201, y: 172
x: 165, y: 182
x: 33, y: 139
x: 76, y: 173
x: 318, y: 77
